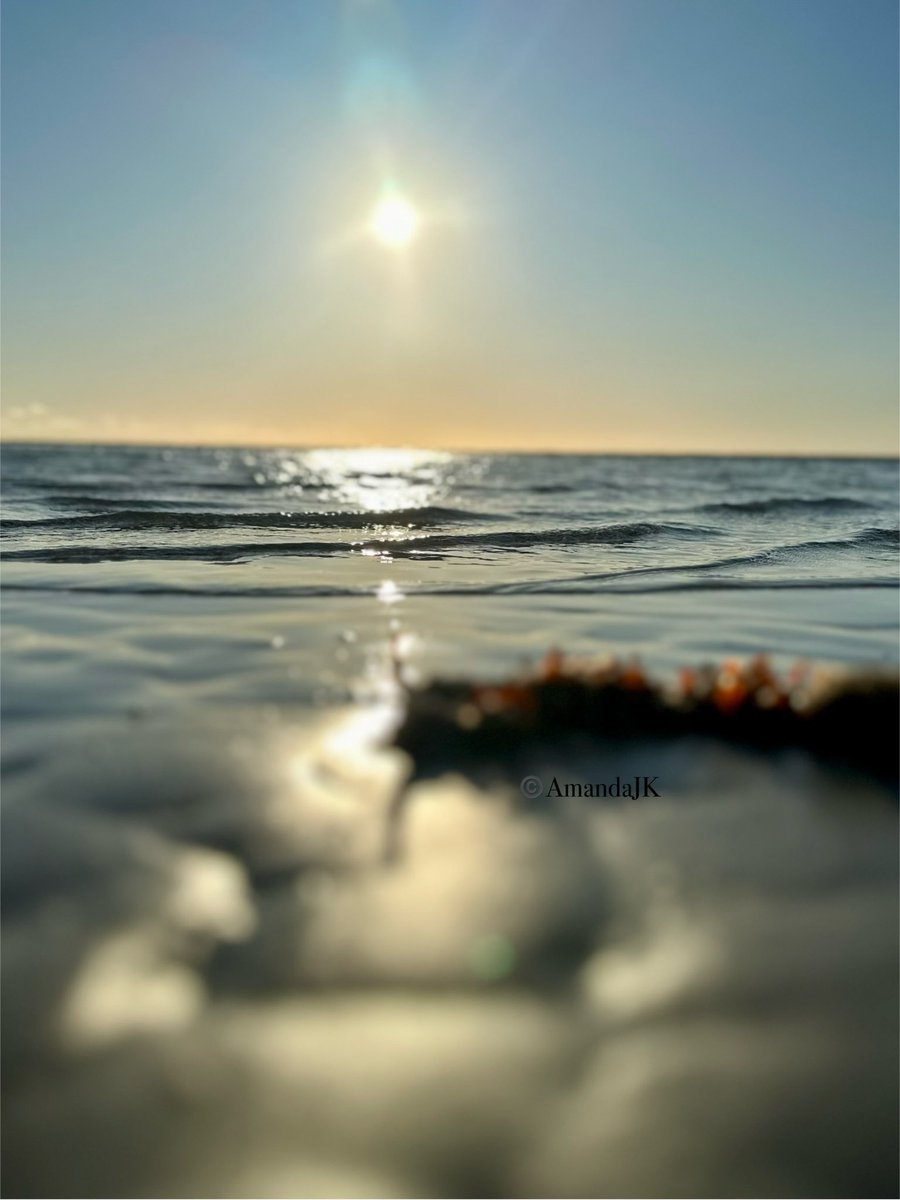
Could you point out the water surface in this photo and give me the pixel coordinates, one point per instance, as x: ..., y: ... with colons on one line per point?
x: 251, y: 949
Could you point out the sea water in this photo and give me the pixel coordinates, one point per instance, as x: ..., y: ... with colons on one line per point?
x: 227, y: 973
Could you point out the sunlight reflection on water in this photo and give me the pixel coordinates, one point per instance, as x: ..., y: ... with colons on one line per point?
x: 381, y: 480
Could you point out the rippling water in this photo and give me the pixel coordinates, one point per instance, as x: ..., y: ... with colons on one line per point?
x: 544, y: 541
x: 217, y: 979
x: 476, y: 523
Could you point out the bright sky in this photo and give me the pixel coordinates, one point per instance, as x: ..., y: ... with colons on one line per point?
x: 537, y: 224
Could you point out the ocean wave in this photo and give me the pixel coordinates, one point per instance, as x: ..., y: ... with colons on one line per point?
x: 536, y: 588
x: 432, y: 545
x: 435, y: 545
x: 776, y: 556
x: 193, y: 552
x: 878, y: 537
x: 889, y: 538
x: 592, y: 535
x: 785, y: 506
x: 164, y: 520
x: 528, y: 488
x: 109, y: 484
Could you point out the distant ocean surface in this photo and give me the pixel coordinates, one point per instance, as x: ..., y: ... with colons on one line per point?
x: 253, y: 949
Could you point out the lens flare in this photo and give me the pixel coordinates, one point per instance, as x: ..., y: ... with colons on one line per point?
x: 394, y: 222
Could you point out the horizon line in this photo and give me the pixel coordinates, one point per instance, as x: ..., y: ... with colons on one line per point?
x: 456, y: 449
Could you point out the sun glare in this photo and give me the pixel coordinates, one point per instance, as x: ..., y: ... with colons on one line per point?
x: 394, y: 222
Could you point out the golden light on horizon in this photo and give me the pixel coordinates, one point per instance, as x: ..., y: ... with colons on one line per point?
x: 394, y: 222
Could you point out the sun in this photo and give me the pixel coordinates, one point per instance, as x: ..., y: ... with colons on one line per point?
x: 394, y: 222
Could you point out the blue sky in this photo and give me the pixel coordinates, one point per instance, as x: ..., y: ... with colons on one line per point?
x: 645, y: 225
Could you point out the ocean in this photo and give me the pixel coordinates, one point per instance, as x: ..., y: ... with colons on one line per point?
x: 480, y: 560
x: 224, y: 977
